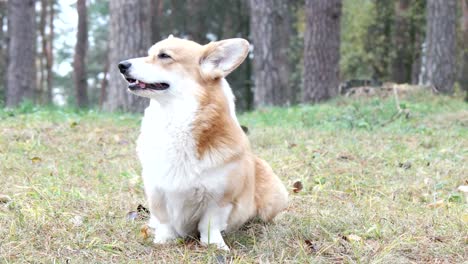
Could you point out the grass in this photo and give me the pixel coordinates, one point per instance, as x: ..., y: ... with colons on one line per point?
x: 374, y: 191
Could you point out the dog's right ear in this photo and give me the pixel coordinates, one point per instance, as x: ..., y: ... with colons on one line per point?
x: 222, y: 57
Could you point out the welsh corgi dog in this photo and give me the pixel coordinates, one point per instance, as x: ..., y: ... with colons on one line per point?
x: 198, y: 170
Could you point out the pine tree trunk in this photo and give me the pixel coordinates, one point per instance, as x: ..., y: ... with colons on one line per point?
x: 440, y: 58
x: 49, y: 51
x: 402, y: 63
x: 3, y: 45
x: 21, y: 75
x: 80, y: 77
x: 195, y: 27
x: 157, y: 7
x: 270, y: 30
x: 321, y: 50
x: 464, y: 64
x: 130, y: 37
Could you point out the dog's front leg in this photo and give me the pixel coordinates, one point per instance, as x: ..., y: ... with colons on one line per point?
x: 213, y: 221
x: 164, y: 233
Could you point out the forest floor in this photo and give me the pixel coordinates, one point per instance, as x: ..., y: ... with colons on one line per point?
x: 377, y: 188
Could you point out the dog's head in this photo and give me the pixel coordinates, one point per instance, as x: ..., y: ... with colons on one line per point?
x: 179, y: 67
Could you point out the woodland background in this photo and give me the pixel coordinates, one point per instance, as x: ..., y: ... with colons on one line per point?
x: 65, y: 52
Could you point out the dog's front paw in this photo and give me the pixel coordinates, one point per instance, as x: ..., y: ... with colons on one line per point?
x: 221, y: 246
x: 160, y: 239
x: 164, y: 234
x: 215, y: 239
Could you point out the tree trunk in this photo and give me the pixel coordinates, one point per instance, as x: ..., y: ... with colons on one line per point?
x: 130, y: 37
x: 464, y: 64
x: 3, y: 42
x: 104, y: 82
x: 402, y: 63
x: 80, y: 78
x: 41, y: 55
x: 49, y: 52
x: 270, y: 33
x: 157, y: 7
x: 196, y: 28
x: 21, y: 75
x: 321, y: 50
x: 440, y: 58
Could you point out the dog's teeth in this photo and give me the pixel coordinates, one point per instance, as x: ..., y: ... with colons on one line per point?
x: 137, y: 82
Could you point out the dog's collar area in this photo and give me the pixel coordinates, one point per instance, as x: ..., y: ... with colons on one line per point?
x: 134, y: 84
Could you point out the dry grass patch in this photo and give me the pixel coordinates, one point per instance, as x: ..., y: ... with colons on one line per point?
x: 371, y: 193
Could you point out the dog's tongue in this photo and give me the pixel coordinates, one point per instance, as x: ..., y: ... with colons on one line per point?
x: 142, y: 85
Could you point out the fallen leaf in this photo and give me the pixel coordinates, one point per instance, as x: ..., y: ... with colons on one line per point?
x: 352, y: 238
x: 36, y: 159
x: 344, y: 157
x: 143, y: 212
x: 132, y: 215
x: 405, y: 165
x: 437, y: 239
x: 297, y: 186
x: 310, y: 245
x: 4, y: 198
x: 292, y: 145
x: 140, y: 214
x: 437, y: 204
x: 144, y: 231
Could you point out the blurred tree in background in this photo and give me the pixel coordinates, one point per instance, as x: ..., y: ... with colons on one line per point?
x: 321, y: 50
x: 439, y: 65
x: 271, y: 27
x: 379, y: 40
x: 80, y: 75
x: 21, y: 70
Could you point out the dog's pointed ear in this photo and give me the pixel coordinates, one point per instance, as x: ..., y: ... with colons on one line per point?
x: 222, y: 57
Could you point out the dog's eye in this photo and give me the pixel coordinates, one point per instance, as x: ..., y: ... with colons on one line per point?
x: 163, y: 56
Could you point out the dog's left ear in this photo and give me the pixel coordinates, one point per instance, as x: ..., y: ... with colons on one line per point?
x: 222, y: 57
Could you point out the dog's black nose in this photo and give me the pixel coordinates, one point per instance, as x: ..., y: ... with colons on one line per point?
x: 124, y: 66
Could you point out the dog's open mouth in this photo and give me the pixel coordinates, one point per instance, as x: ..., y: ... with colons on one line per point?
x: 136, y: 84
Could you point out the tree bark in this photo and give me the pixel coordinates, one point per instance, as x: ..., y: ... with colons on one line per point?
x: 42, y: 71
x: 157, y: 7
x: 440, y: 58
x: 79, y: 62
x: 130, y: 37
x: 49, y: 52
x: 21, y: 75
x: 464, y: 64
x: 3, y: 49
x: 270, y: 33
x: 321, y: 50
x: 402, y: 63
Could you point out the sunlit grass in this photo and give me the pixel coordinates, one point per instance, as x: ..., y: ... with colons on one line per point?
x: 370, y: 186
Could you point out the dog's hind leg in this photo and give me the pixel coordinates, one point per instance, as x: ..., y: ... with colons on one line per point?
x: 271, y: 197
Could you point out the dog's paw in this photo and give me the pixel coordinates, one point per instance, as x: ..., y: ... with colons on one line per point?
x: 163, y: 239
x: 222, y: 246
x: 217, y: 241
x: 164, y: 234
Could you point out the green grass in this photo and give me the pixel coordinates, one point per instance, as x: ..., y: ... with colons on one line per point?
x: 368, y: 186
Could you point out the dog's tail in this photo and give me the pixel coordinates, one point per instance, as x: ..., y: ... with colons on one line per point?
x: 271, y: 197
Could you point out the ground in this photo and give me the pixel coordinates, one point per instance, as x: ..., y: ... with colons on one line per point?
x: 377, y: 187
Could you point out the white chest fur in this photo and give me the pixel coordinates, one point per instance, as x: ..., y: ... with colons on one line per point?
x: 167, y: 151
